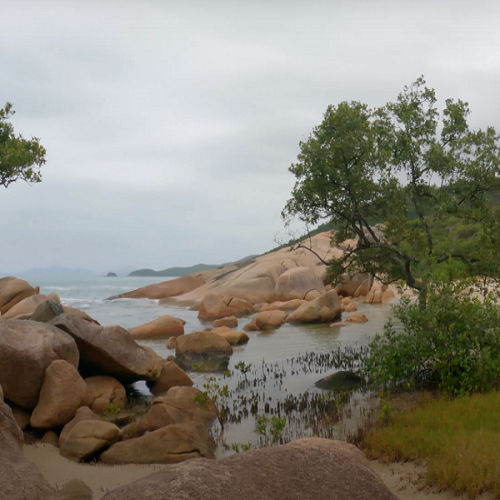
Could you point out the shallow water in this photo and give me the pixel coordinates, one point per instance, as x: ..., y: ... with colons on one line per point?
x: 278, y: 368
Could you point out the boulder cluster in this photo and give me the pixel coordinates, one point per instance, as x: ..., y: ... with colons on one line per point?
x: 64, y: 377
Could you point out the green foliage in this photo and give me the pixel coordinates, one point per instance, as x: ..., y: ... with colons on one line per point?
x: 270, y: 429
x: 392, y: 177
x: 111, y: 410
x: 459, y: 439
x: 243, y: 368
x: 453, y: 345
x: 19, y: 158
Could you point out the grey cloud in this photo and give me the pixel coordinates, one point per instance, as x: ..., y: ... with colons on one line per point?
x: 170, y: 126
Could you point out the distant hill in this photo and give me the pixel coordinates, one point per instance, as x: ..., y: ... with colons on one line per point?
x: 183, y: 271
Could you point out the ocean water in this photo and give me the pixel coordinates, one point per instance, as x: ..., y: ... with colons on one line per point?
x: 273, y: 354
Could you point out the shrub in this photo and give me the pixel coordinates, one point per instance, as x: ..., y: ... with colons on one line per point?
x: 452, y: 345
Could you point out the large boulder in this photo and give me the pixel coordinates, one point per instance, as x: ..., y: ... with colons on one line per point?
x: 355, y: 286
x: 289, y: 305
x: 170, y: 444
x: 232, y: 337
x: 241, y: 307
x: 171, y: 375
x: 88, y: 438
x: 63, y: 392
x: 323, y: 309
x: 207, y: 350
x: 81, y: 314
x: 83, y: 413
x: 229, y: 321
x: 47, y: 310
x: 104, y: 391
x: 270, y: 320
x: 166, y: 289
x: 19, y: 478
x: 13, y: 291
x: 309, y: 469
x: 27, y: 306
x: 110, y: 350
x: 188, y: 404
x: 26, y: 350
x: 296, y: 283
x: 213, y: 307
x: 162, y: 327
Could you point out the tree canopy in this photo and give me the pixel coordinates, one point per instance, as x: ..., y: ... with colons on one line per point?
x: 19, y: 158
x: 418, y: 189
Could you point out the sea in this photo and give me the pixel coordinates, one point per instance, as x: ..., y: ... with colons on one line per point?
x: 276, y: 359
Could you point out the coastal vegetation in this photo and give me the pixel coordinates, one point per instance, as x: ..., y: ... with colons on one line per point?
x: 388, y: 177
x: 20, y: 158
x: 458, y: 438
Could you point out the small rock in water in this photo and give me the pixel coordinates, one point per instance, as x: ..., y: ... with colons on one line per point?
x: 340, y: 380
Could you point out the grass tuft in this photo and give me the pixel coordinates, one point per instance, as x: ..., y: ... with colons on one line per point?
x: 458, y: 438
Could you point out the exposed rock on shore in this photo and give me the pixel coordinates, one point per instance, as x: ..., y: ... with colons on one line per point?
x: 19, y: 478
x: 309, y: 469
x: 27, y: 348
x: 110, y: 350
x: 13, y: 291
x: 162, y: 327
x: 205, y: 349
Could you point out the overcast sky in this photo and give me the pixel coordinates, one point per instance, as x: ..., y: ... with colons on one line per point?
x: 170, y: 126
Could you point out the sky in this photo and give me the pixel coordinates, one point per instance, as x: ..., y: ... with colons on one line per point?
x: 170, y: 126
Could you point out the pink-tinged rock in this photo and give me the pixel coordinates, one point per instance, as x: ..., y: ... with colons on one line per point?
x: 103, y: 391
x: 357, y: 318
x: 63, y: 392
x: 26, y: 350
x: 19, y: 478
x: 110, y: 350
x: 240, y: 307
x: 27, y: 306
x: 270, y: 320
x: 229, y: 321
x: 13, y: 291
x: 162, y: 327
x: 213, y: 307
x: 306, y: 469
x: 321, y: 310
x: 168, y: 445
x: 296, y: 283
x: 171, y: 375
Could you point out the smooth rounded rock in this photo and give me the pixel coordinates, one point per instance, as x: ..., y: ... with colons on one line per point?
x: 110, y: 350
x: 27, y: 348
x: 229, y: 321
x: 270, y: 320
x: 103, y: 391
x: 63, y: 392
x: 171, y: 375
x: 321, y: 310
x: 213, y: 307
x: 206, y: 350
x: 162, y: 327
x: 306, y: 469
x: 88, y: 438
x: 171, y: 444
x: 83, y: 413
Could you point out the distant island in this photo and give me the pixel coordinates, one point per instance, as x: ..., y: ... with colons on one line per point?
x: 183, y: 271
x: 111, y: 275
